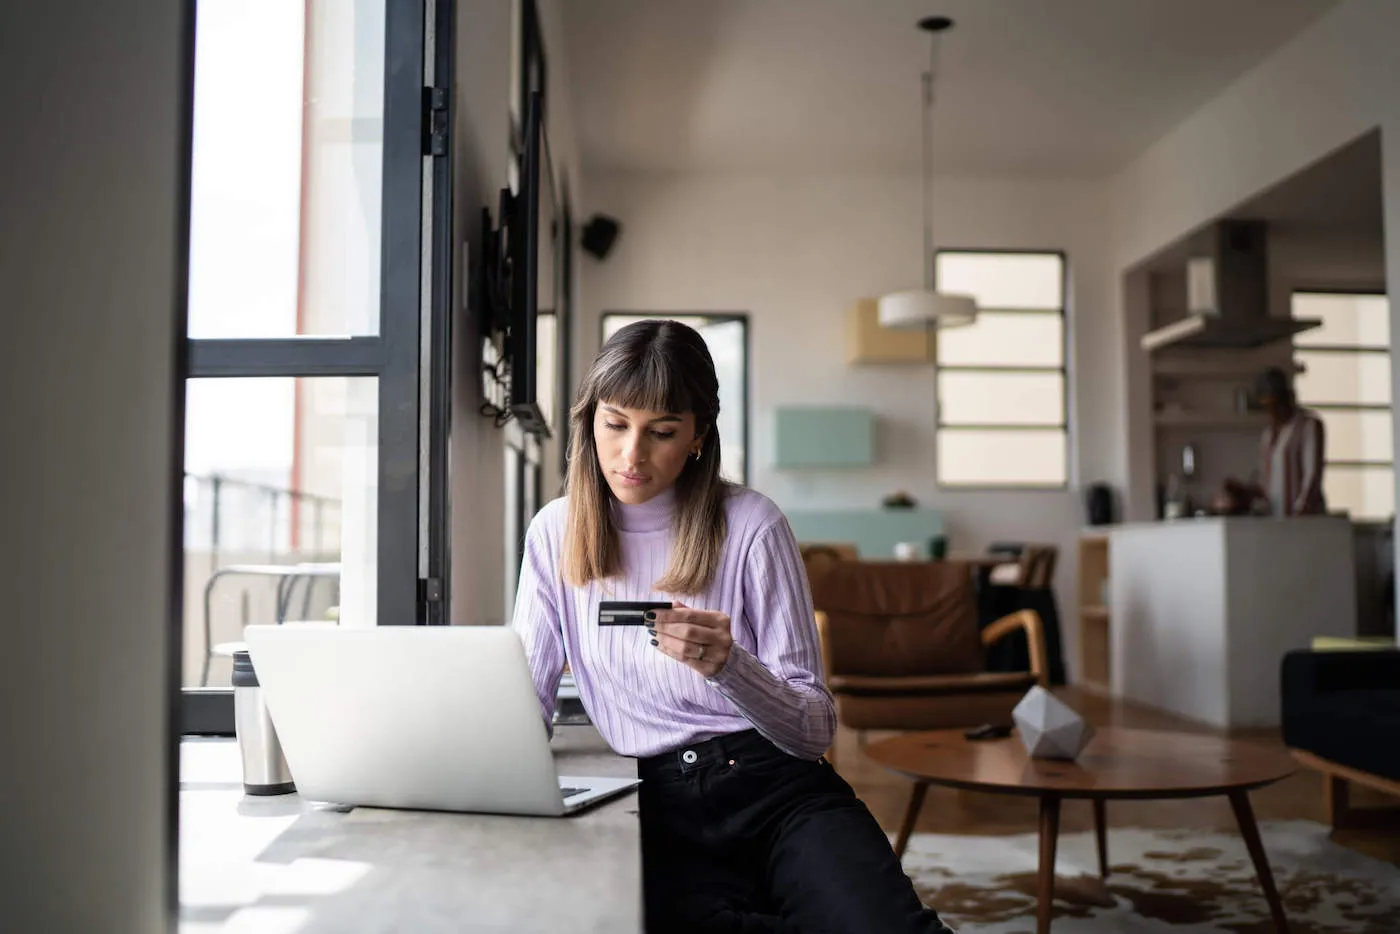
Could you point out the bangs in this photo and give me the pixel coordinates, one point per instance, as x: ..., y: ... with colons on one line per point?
x: 646, y: 383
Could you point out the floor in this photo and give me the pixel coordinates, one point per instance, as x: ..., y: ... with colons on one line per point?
x: 950, y: 811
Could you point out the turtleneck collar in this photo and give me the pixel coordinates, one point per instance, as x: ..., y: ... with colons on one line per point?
x: 652, y: 516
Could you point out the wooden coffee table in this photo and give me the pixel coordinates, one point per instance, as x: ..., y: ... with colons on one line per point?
x: 1117, y: 764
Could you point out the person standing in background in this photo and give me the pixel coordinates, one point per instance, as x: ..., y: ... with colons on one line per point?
x: 1292, y: 453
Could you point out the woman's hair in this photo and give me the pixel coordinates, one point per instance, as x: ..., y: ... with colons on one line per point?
x: 1274, y: 383
x: 659, y: 366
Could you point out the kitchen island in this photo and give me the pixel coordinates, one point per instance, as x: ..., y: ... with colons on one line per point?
x: 1204, y: 610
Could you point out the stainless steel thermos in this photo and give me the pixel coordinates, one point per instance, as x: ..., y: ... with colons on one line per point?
x: 265, y: 769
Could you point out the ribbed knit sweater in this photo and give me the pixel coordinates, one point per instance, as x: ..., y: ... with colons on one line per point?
x: 644, y: 702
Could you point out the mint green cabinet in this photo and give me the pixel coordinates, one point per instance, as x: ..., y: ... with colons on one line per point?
x: 823, y: 436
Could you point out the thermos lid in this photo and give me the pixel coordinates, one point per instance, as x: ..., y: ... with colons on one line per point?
x: 243, y: 674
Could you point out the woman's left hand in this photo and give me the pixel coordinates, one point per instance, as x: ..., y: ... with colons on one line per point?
x: 700, y: 638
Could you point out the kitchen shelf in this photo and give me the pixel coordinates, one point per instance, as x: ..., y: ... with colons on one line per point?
x: 1094, y: 670
x: 1187, y: 368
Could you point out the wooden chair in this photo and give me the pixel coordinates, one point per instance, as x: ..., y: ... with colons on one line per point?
x: 902, y: 649
x: 1034, y: 568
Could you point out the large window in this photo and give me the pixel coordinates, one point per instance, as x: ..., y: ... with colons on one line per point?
x: 1346, y: 380
x: 315, y: 392
x: 727, y: 337
x: 1001, y: 384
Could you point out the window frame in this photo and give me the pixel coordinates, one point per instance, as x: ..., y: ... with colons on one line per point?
x: 995, y: 369
x: 409, y: 356
x: 718, y: 317
x: 1354, y: 351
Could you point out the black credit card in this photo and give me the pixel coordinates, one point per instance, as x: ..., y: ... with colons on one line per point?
x: 626, y: 613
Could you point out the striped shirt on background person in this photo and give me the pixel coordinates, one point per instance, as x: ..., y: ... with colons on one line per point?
x: 1292, y: 459
x: 644, y: 702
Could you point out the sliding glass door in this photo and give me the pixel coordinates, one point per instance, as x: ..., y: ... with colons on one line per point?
x: 319, y: 281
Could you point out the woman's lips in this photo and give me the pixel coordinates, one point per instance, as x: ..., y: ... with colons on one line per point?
x: 632, y: 479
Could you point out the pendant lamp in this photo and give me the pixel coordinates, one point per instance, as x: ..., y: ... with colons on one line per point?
x: 927, y: 308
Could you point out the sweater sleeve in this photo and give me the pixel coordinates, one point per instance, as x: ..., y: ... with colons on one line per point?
x: 780, y: 687
x: 536, y: 619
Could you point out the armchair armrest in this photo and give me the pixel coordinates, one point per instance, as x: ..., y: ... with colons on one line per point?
x: 1027, y: 620
x: 824, y: 641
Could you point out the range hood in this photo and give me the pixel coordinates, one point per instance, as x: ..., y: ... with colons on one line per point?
x: 1228, y: 295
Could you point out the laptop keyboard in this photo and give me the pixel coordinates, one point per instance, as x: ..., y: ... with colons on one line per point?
x: 572, y: 792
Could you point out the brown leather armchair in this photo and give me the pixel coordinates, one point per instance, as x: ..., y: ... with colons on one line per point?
x: 903, y: 651
x: 818, y: 556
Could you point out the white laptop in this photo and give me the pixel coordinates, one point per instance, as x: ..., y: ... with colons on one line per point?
x: 441, y: 718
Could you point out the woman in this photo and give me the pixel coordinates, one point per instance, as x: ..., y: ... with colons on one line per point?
x: 745, y: 826
x: 1292, y: 454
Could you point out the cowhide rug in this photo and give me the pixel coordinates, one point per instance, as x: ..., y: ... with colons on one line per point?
x: 1160, y: 882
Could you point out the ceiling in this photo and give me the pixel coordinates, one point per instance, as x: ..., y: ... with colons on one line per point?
x: 1027, y: 87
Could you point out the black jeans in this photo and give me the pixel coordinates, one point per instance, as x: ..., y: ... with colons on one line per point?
x: 739, y: 837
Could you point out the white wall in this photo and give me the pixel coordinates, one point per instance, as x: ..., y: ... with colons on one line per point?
x: 794, y: 252
x: 485, y: 59
x: 1332, y: 83
x: 91, y: 251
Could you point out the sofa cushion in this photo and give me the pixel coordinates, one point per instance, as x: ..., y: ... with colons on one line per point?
x: 1345, y: 707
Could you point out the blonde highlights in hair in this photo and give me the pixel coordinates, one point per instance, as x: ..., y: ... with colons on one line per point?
x: 661, y: 366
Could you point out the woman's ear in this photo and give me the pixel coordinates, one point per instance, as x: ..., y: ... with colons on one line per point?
x: 699, y: 447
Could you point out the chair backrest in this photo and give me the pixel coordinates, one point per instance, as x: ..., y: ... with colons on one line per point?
x: 898, y: 618
x: 1038, y: 566
x: 818, y: 557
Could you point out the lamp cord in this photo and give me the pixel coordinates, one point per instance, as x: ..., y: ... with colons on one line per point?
x: 928, y: 161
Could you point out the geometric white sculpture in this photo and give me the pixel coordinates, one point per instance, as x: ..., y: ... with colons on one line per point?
x: 1049, y: 728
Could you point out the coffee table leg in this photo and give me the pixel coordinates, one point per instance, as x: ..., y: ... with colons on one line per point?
x: 1049, y: 837
x: 1250, y: 831
x: 911, y: 815
x: 1101, y: 836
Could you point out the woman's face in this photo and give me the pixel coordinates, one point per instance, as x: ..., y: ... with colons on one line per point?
x: 642, y: 453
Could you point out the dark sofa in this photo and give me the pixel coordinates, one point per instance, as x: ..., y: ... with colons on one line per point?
x: 1341, y: 716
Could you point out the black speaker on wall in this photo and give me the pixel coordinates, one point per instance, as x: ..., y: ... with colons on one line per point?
x: 599, y: 234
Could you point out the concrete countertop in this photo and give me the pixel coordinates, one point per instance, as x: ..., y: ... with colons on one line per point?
x: 280, y: 864
x: 1199, y: 521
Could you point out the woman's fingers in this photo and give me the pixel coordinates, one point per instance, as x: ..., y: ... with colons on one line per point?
x: 685, y: 632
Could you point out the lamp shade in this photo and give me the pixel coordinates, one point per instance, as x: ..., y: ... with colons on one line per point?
x: 919, y: 308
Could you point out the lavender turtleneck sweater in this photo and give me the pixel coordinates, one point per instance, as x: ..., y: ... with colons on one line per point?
x: 642, y: 701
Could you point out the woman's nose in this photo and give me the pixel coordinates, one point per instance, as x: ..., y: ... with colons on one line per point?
x: 634, y: 448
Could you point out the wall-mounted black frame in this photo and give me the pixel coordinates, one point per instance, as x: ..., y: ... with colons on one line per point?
x: 409, y: 358
x: 565, y: 330
x: 714, y: 317
x: 533, y: 74
x: 1063, y: 371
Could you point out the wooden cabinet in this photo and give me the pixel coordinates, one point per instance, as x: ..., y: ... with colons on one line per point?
x: 1094, y: 655
x: 867, y: 342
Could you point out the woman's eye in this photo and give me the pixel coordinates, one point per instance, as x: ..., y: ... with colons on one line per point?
x: 611, y: 427
x: 663, y: 435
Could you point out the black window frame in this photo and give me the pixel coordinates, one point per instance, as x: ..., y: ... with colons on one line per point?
x: 1062, y: 370
x: 409, y: 357
x: 718, y: 317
